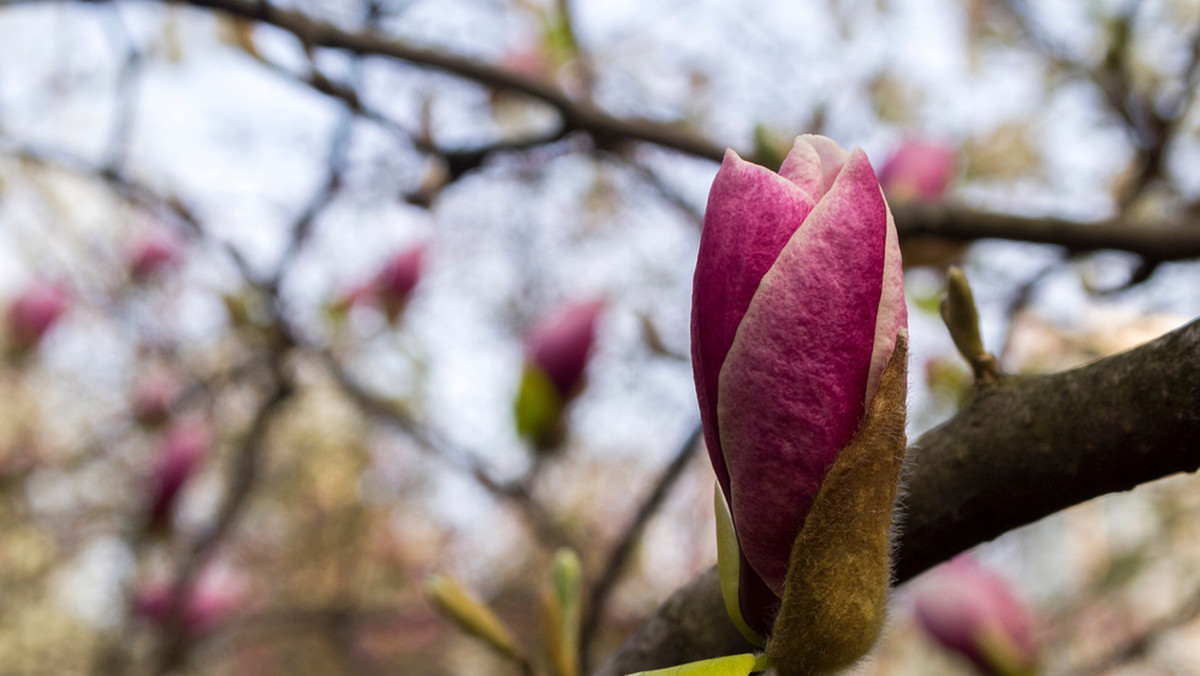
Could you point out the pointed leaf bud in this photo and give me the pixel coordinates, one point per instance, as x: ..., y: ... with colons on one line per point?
x: 564, y: 605
x: 471, y: 614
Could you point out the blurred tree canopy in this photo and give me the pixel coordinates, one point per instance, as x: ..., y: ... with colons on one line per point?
x: 278, y: 277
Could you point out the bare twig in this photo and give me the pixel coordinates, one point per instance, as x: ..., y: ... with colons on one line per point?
x: 619, y: 555
x: 542, y: 522
x: 243, y: 475
x: 1186, y: 612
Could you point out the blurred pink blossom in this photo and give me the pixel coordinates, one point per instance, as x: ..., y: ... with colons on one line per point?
x: 153, y: 253
x: 391, y: 287
x: 152, y: 397
x: 918, y: 171
x: 34, y: 312
x: 531, y: 61
x: 395, y: 282
x: 214, y: 598
x: 972, y: 611
x: 181, y: 450
x: 561, y: 343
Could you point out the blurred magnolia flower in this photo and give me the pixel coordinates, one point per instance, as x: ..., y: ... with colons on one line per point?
x: 33, y: 313
x: 395, y: 282
x: 153, y: 253
x: 973, y: 612
x: 392, y: 286
x: 797, y: 310
x: 181, y: 449
x: 557, y: 350
x: 150, y: 402
x: 215, y: 597
x: 918, y: 171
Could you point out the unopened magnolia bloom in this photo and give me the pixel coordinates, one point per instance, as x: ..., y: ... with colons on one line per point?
x: 181, y: 450
x: 152, y: 254
x: 557, y: 351
x: 973, y: 612
x: 798, y: 306
x: 561, y: 343
x: 214, y: 598
x: 33, y: 313
x: 150, y: 402
x: 918, y: 171
x: 394, y: 283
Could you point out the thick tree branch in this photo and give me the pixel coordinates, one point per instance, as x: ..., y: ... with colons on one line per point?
x: 1019, y: 451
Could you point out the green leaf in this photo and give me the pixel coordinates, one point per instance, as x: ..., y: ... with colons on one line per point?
x: 729, y: 567
x: 538, y: 406
x: 730, y: 665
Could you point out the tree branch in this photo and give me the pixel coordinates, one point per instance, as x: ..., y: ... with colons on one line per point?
x: 1019, y: 451
x: 576, y: 115
x: 1160, y: 241
x: 618, y: 557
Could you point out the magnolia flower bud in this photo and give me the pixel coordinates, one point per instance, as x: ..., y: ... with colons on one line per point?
x: 395, y: 282
x: 561, y: 344
x: 150, y: 402
x: 181, y: 450
x: 973, y: 612
x: 152, y: 254
x: 33, y: 313
x: 557, y: 351
x: 213, y: 599
x: 917, y: 171
x: 798, y: 306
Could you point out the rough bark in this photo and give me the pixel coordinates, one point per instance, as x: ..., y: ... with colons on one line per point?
x: 1020, y: 450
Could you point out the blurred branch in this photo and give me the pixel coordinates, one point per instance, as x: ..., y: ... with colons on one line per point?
x: 1189, y: 610
x: 665, y: 191
x: 1155, y: 241
x: 576, y: 115
x: 1019, y: 451
x: 516, y: 492
x: 126, y: 90
x: 243, y: 474
x: 619, y: 555
x: 1150, y: 121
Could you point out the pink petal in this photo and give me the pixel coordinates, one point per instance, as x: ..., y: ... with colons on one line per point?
x: 918, y: 170
x: 751, y: 213
x: 562, y: 343
x: 792, y: 386
x: 816, y: 178
x: 893, y: 313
